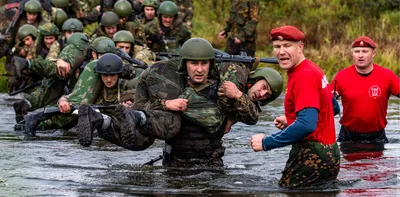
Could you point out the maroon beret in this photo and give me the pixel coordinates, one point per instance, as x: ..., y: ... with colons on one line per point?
x: 363, y: 41
x: 287, y: 33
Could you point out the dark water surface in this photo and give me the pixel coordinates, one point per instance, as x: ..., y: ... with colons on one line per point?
x: 57, y: 165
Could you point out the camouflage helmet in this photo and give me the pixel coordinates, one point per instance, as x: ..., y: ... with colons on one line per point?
x: 72, y: 24
x: 124, y: 36
x: 103, y: 45
x: 123, y: 8
x: 109, y: 63
x: 197, y: 49
x: 49, y: 29
x: 109, y: 19
x: 167, y: 8
x: 26, y: 30
x: 273, y: 78
x: 77, y: 38
x: 60, y: 18
x: 60, y: 3
x: 151, y: 3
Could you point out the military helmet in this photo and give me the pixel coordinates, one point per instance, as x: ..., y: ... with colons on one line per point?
x: 151, y: 3
x: 197, y: 49
x: 33, y: 6
x: 273, y: 78
x: 124, y: 36
x: 60, y: 18
x: 60, y: 3
x: 77, y: 38
x: 109, y: 63
x: 26, y: 30
x: 72, y: 24
x: 103, y: 45
x: 123, y: 8
x: 49, y: 29
x: 109, y: 19
x: 167, y: 8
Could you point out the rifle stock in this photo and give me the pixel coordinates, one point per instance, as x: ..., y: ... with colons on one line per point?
x: 25, y: 88
x: 55, y: 110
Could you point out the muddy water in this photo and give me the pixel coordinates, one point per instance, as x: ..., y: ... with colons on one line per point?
x: 56, y: 165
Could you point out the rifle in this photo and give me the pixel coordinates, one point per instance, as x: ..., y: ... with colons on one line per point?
x: 126, y: 57
x: 55, y: 110
x: 25, y: 88
x: 221, y: 56
x: 15, y: 18
x: 151, y: 162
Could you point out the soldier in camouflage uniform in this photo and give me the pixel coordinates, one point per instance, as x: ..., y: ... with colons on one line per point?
x: 241, y: 28
x: 166, y: 33
x: 188, y: 119
x: 58, y: 75
x: 27, y: 35
x: 48, y: 47
x: 186, y: 10
x: 124, y: 40
x: 69, y: 27
x: 124, y: 10
x: 149, y: 11
x: 308, y: 123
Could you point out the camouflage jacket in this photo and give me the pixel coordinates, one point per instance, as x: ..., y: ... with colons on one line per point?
x: 243, y: 19
x: 168, y: 41
x: 185, y: 13
x: 136, y: 28
x: 242, y: 109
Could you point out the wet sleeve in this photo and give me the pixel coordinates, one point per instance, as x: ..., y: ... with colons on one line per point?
x: 394, y: 84
x: 336, y: 107
x: 304, y: 125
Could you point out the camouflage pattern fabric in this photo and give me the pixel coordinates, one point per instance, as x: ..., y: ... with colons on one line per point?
x: 53, y: 52
x: 203, y: 110
x: 311, y: 164
x: 144, y: 54
x: 53, y: 87
x: 136, y: 29
x: 185, y: 13
x: 170, y: 41
x: 242, y: 109
x: 242, y: 24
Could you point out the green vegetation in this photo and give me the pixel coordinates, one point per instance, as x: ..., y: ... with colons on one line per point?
x: 330, y: 27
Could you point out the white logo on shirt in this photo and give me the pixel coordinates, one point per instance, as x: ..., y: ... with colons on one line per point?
x: 324, y: 82
x: 374, y: 92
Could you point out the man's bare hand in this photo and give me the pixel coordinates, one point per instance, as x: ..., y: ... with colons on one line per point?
x: 222, y: 34
x: 280, y: 122
x: 237, y: 41
x: 127, y: 104
x: 178, y: 104
x: 64, y: 107
x: 229, y: 90
x: 256, y: 142
x: 228, y: 126
x: 63, y: 68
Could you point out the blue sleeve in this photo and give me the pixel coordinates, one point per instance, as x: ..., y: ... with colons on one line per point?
x: 336, y: 107
x: 304, y: 125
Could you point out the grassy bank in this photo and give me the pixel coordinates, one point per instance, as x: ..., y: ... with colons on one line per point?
x: 330, y: 27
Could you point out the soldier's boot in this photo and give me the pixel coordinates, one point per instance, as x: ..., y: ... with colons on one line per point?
x: 88, y: 121
x: 20, y: 64
x: 21, y: 108
x: 33, y: 120
x: 130, y: 120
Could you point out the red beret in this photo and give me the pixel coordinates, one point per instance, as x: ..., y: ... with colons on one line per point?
x: 363, y: 41
x: 287, y: 33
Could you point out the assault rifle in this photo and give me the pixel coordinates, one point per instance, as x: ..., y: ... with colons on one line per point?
x: 55, y: 110
x: 25, y: 88
x: 14, y: 19
x: 220, y: 56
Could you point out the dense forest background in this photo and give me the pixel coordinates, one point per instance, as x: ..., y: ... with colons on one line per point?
x: 330, y: 27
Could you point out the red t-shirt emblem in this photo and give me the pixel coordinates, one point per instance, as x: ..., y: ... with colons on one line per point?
x: 374, y: 92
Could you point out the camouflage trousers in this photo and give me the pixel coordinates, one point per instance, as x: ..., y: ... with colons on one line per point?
x: 311, y: 164
x: 47, y: 94
x: 234, y: 49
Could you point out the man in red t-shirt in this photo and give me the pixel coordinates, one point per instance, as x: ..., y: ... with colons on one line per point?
x: 308, y: 123
x: 364, y: 88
